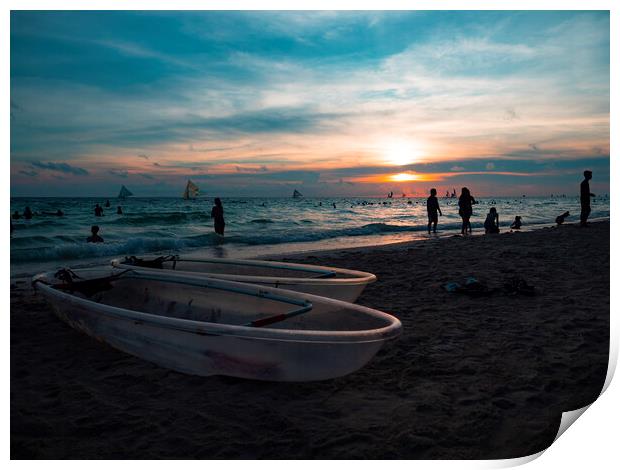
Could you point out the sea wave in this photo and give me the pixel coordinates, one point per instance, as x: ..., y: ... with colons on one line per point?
x: 138, y: 245
x: 170, y: 218
x: 261, y: 221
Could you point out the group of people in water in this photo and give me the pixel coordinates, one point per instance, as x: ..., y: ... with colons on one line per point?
x: 491, y: 223
x: 217, y: 214
x: 99, y: 209
x: 465, y: 203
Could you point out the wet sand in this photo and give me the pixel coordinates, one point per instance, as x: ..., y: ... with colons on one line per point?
x: 470, y: 377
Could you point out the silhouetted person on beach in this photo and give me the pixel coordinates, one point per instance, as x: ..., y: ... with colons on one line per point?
x: 585, y: 198
x: 98, y: 210
x: 560, y: 218
x: 465, y: 210
x: 217, y: 213
x: 432, y: 207
x: 94, y: 238
x: 16, y: 215
x: 27, y: 213
x: 516, y: 225
x: 107, y: 203
x: 491, y: 224
x: 119, y: 210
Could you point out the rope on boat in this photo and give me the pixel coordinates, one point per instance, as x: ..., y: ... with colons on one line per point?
x: 157, y: 263
x: 88, y: 287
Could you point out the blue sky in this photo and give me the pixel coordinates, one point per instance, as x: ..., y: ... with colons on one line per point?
x: 333, y: 103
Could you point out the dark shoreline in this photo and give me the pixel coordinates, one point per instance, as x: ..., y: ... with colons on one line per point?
x: 469, y: 378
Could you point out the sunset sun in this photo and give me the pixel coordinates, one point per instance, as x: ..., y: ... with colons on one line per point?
x: 405, y: 177
x: 401, y: 153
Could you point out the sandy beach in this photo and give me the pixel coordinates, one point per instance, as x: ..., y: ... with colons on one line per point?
x: 470, y: 378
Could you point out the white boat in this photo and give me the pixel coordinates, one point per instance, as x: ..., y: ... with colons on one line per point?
x: 336, y: 283
x: 191, y: 190
x: 208, y: 327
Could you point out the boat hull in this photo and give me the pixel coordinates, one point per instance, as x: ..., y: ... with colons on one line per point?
x: 347, y: 286
x: 205, y: 349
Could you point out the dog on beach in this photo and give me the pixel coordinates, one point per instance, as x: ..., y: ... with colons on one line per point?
x: 560, y: 218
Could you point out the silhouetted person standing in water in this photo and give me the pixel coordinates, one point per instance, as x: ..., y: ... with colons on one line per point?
x: 119, y: 210
x: 107, y: 203
x: 27, y: 213
x: 465, y: 210
x: 98, y: 210
x: 432, y: 206
x: 217, y: 214
x: 94, y: 238
x: 585, y: 198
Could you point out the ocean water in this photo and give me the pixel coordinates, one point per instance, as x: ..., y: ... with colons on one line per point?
x: 254, y: 226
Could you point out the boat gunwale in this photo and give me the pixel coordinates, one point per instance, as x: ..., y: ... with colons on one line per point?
x: 359, y: 277
x: 389, y: 331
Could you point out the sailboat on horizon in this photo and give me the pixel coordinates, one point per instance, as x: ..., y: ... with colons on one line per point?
x: 191, y: 191
x: 124, y: 193
x: 297, y: 194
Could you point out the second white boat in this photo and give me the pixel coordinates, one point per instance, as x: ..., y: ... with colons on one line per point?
x: 335, y: 283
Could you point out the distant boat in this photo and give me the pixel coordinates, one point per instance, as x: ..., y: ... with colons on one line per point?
x: 125, y: 193
x: 390, y: 194
x: 297, y: 194
x: 191, y: 190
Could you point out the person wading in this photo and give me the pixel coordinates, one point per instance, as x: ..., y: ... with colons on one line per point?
x: 217, y: 214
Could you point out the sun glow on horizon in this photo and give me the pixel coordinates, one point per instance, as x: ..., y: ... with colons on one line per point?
x: 401, y: 152
x: 400, y: 177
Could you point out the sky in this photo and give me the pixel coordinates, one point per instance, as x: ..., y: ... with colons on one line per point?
x: 329, y: 103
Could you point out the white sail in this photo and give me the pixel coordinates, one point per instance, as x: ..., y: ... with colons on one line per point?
x: 124, y: 193
x: 297, y: 194
x: 191, y: 191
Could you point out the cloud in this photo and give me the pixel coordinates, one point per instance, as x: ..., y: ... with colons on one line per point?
x: 29, y: 172
x: 60, y: 167
x: 316, y: 90
x: 146, y: 175
x: 120, y: 173
x: 490, y: 166
x: 510, y: 114
x: 251, y: 169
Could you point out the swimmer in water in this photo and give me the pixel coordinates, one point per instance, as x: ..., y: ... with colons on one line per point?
x: 94, y: 238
